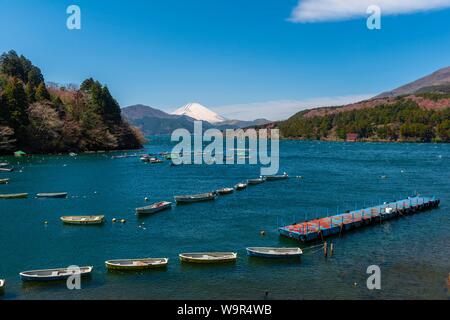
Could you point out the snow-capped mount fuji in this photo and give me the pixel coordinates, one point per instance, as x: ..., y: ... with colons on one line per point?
x: 199, y: 112
x: 153, y: 121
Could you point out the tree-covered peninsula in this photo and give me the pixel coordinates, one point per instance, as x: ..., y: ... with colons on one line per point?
x: 40, y: 118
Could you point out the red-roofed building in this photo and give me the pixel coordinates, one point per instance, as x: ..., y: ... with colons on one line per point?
x: 352, y: 137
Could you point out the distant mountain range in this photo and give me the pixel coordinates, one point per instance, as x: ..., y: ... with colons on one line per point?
x: 154, y: 121
x: 438, y: 81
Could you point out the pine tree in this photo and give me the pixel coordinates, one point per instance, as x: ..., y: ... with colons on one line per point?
x: 16, y: 101
x: 111, y: 109
x: 42, y: 93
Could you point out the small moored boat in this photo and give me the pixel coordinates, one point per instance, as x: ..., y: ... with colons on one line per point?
x: 53, y: 274
x: 2, y: 285
x: 225, y: 191
x: 14, y: 196
x: 4, y: 181
x: 195, y: 197
x: 4, y: 164
x: 256, y: 181
x: 137, y: 264
x: 83, y: 219
x: 208, y: 257
x: 156, y: 207
x: 6, y: 169
x: 52, y: 195
x: 277, y: 177
x: 240, y: 186
x: 266, y: 252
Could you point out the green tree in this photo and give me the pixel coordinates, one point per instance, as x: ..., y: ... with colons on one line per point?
x: 443, y: 131
x: 30, y: 92
x: 11, y: 64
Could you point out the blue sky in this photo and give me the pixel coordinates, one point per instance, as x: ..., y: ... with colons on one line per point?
x: 245, y: 59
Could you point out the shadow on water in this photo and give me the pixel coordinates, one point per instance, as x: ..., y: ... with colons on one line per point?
x: 186, y: 266
x: 121, y: 273
x: 279, y: 262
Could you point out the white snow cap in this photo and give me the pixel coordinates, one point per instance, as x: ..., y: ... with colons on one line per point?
x: 199, y: 112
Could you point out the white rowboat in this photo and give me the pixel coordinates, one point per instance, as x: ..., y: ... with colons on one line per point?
x: 137, y: 264
x: 277, y: 177
x: 156, y: 207
x: 53, y: 274
x: 256, y: 181
x: 83, y: 219
x: 52, y: 195
x: 225, y: 191
x: 241, y: 186
x: 195, y: 198
x: 208, y: 257
x: 266, y: 252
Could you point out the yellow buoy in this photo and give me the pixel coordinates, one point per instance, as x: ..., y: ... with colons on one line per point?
x: 123, y: 220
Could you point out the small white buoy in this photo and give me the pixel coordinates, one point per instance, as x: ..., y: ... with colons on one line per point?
x: 263, y: 233
x: 45, y: 222
x: 123, y: 221
x: 114, y: 220
x: 146, y: 199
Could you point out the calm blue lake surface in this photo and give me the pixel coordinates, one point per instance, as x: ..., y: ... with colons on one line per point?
x: 413, y: 252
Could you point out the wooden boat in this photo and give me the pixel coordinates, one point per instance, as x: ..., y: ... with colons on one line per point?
x: 156, y: 207
x: 83, y: 219
x: 240, y: 186
x: 151, y: 159
x: 277, y: 177
x: 195, y: 197
x: 208, y: 257
x: 155, y: 160
x: 256, y: 181
x: 52, y: 274
x: 266, y: 252
x: 136, y: 264
x: 6, y: 169
x: 225, y: 191
x: 14, y: 196
x: 4, y: 181
x: 52, y: 195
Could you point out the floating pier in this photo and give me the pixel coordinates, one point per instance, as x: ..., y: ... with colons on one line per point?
x: 318, y: 229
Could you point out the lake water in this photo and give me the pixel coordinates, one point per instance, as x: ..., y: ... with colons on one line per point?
x: 413, y: 252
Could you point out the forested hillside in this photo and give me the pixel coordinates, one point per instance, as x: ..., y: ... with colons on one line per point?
x: 423, y: 117
x: 38, y: 118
